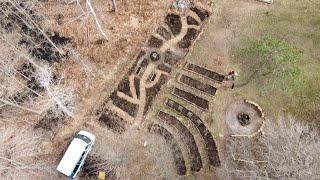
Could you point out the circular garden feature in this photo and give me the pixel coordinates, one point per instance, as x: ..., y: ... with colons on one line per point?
x: 154, y: 56
x: 244, y: 118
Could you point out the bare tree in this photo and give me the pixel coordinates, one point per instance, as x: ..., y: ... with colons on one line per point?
x: 114, y: 4
x: 59, y: 96
x: 62, y: 100
x: 19, y: 157
x: 286, y: 150
x: 17, y: 89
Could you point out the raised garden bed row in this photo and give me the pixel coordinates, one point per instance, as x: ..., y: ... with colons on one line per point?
x: 176, y: 151
x: 192, y: 21
x: 123, y: 104
x: 151, y: 93
x: 209, y: 142
x: 189, y: 97
x: 174, y: 23
x: 155, y: 42
x: 188, y: 38
x: 124, y: 86
x: 171, y: 58
x: 203, y: 15
x: 198, y: 85
x: 113, y: 121
x: 205, y: 72
x: 196, y: 162
x: 164, y: 68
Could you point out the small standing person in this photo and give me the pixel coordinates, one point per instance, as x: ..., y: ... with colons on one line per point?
x: 231, y: 77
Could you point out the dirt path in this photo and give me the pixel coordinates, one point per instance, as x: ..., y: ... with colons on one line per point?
x: 142, y: 103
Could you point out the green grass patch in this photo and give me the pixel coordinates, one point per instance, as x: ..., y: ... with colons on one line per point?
x: 279, y: 64
x: 272, y: 61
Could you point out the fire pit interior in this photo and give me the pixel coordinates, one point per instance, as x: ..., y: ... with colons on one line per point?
x: 243, y: 118
x: 154, y: 56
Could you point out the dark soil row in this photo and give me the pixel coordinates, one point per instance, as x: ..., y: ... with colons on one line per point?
x: 152, y: 92
x: 155, y: 42
x: 188, y: 38
x: 198, y: 85
x: 174, y: 23
x: 198, y: 101
x: 164, y: 68
x: 205, y: 72
x: 137, y: 86
x: 112, y: 121
x: 176, y: 151
x: 123, y: 104
x: 171, y: 58
x: 210, y: 144
x: 203, y: 15
x: 196, y: 162
x: 134, y: 66
x: 192, y: 21
x: 145, y: 62
x: 124, y: 86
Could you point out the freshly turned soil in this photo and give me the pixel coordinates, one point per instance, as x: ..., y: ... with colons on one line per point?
x: 188, y: 38
x: 198, y: 101
x: 152, y: 92
x: 137, y: 85
x: 174, y: 23
x: 144, y: 62
x: 201, y: 13
x: 176, y: 151
x: 155, y: 42
x: 123, y: 104
x: 209, y: 142
x: 198, y: 85
x: 205, y: 72
x: 124, y: 86
x: 171, y: 58
x: 134, y: 67
x: 164, y: 68
x: 196, y: 162
x: 192, y: 21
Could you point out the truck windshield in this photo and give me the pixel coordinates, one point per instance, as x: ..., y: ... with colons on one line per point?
x: 84, y: 138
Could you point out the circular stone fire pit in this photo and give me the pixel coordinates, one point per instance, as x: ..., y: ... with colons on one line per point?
x: 243, y: 118
x: 154, y: 56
